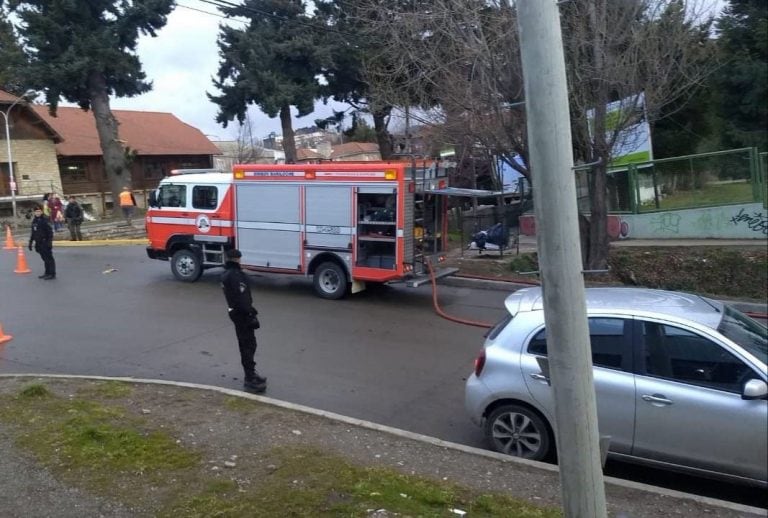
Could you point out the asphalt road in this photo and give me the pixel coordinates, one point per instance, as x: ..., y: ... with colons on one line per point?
x: 382, y: 355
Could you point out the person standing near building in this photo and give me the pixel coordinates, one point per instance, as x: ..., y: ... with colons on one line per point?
x: 127, y: 204
x: 74, y: 216
x: 55, y: 206
x: 237, y: 292
x: 42, y: 237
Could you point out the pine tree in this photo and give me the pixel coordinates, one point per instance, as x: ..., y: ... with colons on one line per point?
x: 83, y: 51
x: 273, y: 63
x: 12, y: 60
x: 741, y: 84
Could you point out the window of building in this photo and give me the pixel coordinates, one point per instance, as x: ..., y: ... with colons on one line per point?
x: 73, y: 171
x: 155, y: 170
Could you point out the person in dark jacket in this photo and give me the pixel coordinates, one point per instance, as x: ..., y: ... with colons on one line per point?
x: 237, y: 291
x: 42, y: 237
x: 74, y: 216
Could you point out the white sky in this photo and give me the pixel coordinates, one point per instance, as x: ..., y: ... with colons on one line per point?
x: 181, y: 62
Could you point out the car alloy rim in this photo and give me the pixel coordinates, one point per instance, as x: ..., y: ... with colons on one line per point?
x: 517, y: 435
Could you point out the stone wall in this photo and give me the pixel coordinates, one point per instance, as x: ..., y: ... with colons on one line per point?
x: 36, y: 168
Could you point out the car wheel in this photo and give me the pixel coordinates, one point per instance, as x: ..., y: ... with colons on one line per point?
x: 330, y: 281
x: 518, y: 431
x: 186, y: 265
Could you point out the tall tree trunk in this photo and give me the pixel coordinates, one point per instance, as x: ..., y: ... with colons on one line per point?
x: 382, y: 134
x: 597, y: 257
x: 289, y: 142
x: 118, y: 174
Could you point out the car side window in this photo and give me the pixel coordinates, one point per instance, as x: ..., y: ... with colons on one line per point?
x: 173, y: 195
x: 204, y: 197
x: 606, y: 337
x: 679, y: 355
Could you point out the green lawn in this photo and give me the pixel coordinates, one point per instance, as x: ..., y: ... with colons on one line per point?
x: 708, y: 195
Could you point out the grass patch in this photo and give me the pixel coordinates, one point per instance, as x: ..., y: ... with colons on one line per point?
x: 107, y: 389
x: 708, y: 195
x: 102, y: 448
x: 524, y: 263
x: 309, y: 482
x: 240, y: 404
x: 94, y: 443
x: 35, y: 391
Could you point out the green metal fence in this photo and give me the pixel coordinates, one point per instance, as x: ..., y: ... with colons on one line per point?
x: 686, y: 182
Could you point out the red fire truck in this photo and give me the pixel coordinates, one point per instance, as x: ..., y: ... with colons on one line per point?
x: 345, y: 224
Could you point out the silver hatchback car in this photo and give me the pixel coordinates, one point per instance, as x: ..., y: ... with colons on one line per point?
x: 681, y: 382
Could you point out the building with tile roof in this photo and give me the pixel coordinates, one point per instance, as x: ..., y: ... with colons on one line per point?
x: 33, y: 150
x: 157, y: 142
x: 356, y: 152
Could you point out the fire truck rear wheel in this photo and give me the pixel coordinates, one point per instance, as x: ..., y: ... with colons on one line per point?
x: 330, y: 281
x: 186, y: 265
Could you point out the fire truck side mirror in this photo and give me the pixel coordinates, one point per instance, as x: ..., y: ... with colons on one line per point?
x: 153, y: 199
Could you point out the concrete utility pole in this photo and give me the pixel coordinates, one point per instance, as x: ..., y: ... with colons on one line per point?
x: 557, y: 231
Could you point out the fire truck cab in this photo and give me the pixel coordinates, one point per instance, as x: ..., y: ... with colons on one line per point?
x: 345, y: 224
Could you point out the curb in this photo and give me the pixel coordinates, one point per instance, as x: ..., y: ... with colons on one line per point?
x: 404, y: 434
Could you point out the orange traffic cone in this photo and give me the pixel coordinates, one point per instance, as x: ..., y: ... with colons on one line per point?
x: 8, y: 239
x: 4, y: 337
x: 21, y: 262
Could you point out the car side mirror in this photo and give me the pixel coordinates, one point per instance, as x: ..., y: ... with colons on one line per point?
x: 755, y: 389
x: 153, y: 199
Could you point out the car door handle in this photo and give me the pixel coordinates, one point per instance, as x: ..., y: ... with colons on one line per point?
x: 658, y: 399
x: 540, y: 377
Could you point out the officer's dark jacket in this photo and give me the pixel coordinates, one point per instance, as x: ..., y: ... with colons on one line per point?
x: 237, y: 290
x: 42, y: 233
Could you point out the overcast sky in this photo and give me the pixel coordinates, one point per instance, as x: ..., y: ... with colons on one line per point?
x: 181, y: 62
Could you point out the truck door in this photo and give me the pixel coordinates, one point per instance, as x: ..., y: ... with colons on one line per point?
x: 268, y: 225
x: 171, y: 218
x: 205, y: 200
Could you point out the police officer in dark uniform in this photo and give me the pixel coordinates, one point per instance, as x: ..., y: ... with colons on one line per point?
x: 42, y: 237
x: 237, y: 291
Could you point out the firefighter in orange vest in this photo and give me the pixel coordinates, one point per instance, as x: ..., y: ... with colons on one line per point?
x: 127, y: 204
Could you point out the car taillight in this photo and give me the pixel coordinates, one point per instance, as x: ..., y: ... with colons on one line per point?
x: 480, y: 363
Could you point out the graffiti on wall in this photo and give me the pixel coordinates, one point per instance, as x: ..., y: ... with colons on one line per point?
x: 666, y: 223
x: 710, y: 221
x: 756, y: 222
x: 732, y: 222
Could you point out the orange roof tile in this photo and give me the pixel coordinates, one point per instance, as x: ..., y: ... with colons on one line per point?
x: 308, y: 154
x: 9, y: 99
x: 147, y: 133
x: 354, y: 148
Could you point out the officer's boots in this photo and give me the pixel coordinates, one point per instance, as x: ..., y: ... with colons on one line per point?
x: 254, y: 383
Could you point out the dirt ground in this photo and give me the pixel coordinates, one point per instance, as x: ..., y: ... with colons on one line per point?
x: 727, y: 272
x: 233, y: 435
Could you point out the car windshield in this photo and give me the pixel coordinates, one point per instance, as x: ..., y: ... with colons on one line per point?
x: 747, y: 333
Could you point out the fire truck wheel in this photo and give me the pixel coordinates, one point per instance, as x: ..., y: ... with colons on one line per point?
x: 330, y: 281
x: 186, y: 266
